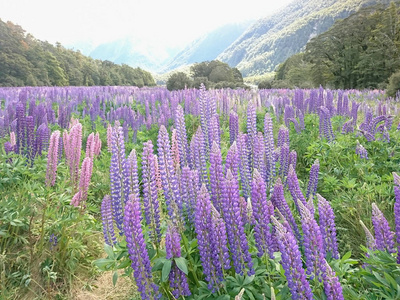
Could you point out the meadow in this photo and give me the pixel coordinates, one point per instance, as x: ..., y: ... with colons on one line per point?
x: 199, y: 194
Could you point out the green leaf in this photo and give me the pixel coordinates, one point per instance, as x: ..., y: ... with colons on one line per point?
x: 124, y: 264
x: 165, y: 270
x: 103, y: 263
x: 248, y: 279
x: 115, y: 278
x: 346, y: 256
x: 109, y: 250
x: 182, y: 264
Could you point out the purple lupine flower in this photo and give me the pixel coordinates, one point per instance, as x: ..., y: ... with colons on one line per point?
x: 354, y: 111
x: 279, y: 201
x: 291, y: 262
x: 348, y: 127
x: 177, y: 279
x: 262, y: 212
x: 198, y: 152
x: 8, y: 147
x: 259, y: 154
x: 182, y: 136
x: 203, y: 100
x: 219, y: 238
x: 42, y: 139
x: 283, y: 137
x: 269, y: 147
x: 216, y: 176
x: 233, y: 126
x: 133, y: 174
x: 109, y: 138
x: 313, y: 245
x: 396, y: 179
x: 116, y: 176
x: 234, y: 226
x: 168, y: 175
x: 383, y: 235
x: 251, y: 131
x: 52, y: 159
x: 214, y: 131
x: 190, y: 187
x: 284, y: 161
x: 294, y: 188
x: 370, y: 240
x: 293, y: 158
x: 108, y: 222
x: 30, y: 138
x: 327, y: 227
x: 332, y: 288
x: 244, y: 166
x: 21, y: 127
x: 339, y: 103
x: 232, y: 160
x: 325, y: 124
x: 137, y: 250
x: 289, y: 114
x: 212, y: 267
x: 150, y: 192
x: 361, y: 151
x: 313, y: 180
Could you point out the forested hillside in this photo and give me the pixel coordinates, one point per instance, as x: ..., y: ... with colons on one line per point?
x: 361, y: 51
x: 270, y: 41
x: 26, y: 61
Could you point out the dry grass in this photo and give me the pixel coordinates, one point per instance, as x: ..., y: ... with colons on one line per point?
x: 103, y: 289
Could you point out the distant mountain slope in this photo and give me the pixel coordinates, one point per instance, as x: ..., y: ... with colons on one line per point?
x: 271, y: 40
x: 135, y: 53
x: 208, y: 47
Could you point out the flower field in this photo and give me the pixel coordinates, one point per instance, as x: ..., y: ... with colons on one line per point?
x: 200, y: 194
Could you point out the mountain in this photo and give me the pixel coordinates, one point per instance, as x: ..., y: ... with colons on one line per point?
x: 271, y: 40
x: 207, y: 47
x: 134, y: 52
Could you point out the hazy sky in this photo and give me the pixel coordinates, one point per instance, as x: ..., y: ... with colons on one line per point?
x: 171, y: 22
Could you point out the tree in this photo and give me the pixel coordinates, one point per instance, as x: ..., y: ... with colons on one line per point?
x: 178, y: 81
x: 394, y: 84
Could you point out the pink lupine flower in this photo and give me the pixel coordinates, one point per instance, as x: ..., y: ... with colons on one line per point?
x: 52, y: 159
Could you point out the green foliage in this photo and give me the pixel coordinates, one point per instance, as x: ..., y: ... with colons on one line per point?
x: 216, y: 74
x: 394, y: 84
x: 178, y: 81
x: 25, y: 61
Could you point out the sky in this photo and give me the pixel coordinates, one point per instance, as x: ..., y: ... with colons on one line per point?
x: 171, y: 22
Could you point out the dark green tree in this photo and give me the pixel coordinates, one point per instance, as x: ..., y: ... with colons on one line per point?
x: 178, y: 81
